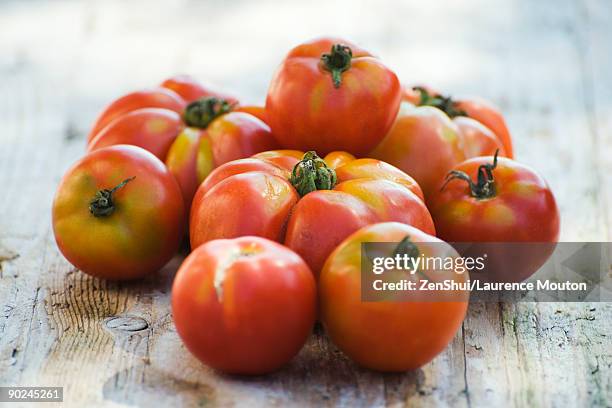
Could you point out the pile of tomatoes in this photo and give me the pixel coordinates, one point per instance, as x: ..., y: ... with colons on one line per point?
x: 277, y: 200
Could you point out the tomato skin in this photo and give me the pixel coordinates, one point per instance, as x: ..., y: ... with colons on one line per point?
x: 153, y: 129
x: 237, y: 206
x: 244, y: 306
x: 181, y: 161
x: 372, y: 168
x: 477, y: 139
x: 487, y: 114
x: 258, y: 111
x: 263, y: 202
x: 384, y: 335
x: 236, y: 135
x: 286, y: 159
x: 424, y: 143
x: 147, y: 98
x: 307, y: 111
x: 310, y: 232
x: 190, y: 90
x: 142, y: 233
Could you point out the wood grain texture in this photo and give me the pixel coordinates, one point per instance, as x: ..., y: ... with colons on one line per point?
x: 546, y: 63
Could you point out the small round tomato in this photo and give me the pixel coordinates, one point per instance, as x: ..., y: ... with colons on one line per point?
x: 305, y: 203
x: 491, y: 199
x: 329, y: 94
x: 389, y: 335
x: 148, y: 98
x: 118, y: 213
x: 244, y: 306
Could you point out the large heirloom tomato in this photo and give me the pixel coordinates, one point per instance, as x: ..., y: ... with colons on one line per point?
x: 301, y: 200
x: 328, y: 95
x: 118, y: 213
x: 388, y: 335
x: 244, y: 306
x: 433, y: 133
x: 192, y: 138
x: 491, y: 199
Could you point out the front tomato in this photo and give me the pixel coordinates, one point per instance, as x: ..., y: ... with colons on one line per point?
x: 307, y: 204
x: 118, y: 213
x: 328, y: 95
x: 244, y: 306
x: 389, y: 335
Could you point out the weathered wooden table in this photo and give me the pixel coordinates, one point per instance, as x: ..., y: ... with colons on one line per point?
x: 546, y: 63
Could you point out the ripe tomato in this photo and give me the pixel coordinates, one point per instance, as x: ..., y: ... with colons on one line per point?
x: 191, y: 90
x: 388, y: 335
x: 304, y: 203
x: 148, y: 98
x: 424, y: 143
x: 428, y: 122
x: 202, y: 135
x: 491, y: 199
x: 468, y: 112
x: 118, y: 213
x: 244, y: 306
x: 153, y: 129
x: 329, y: 94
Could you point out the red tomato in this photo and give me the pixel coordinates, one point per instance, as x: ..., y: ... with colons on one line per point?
x: 328, y: 95
x: 244, y: 306
x: 261, y: 196
x: 428, y: 123
x: 153, y: 129
x: 118, y: 213
x: 424, y: 143
x: 389, y: 335
x: 206, y: 135
x: 490, y: 199
x: 473, y: 115
x: 148, y: 98
x: 191, y: 90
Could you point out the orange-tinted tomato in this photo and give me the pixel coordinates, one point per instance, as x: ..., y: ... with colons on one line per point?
x: 118, y: 213
x: 424, y: 143
x: 258, y: 111
x: 388, y: 335
x: 432, y: 134
x: 244, y: 306
x: 329, y: 94
x: 259, y: 196
x: 487, y: 114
